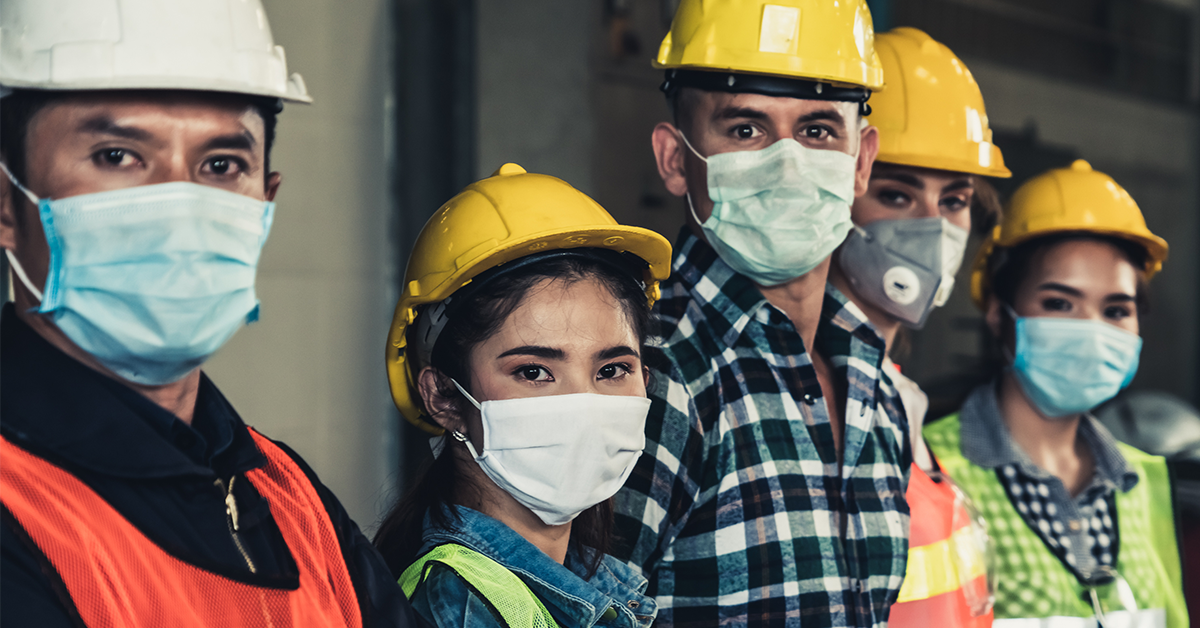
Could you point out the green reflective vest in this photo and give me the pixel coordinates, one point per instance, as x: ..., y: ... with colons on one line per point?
x: 499, y: 587
x: 1033, y: 586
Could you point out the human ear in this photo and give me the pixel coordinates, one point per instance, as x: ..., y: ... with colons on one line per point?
x: 273, y: 181
x: 442, y: 408
x: 668, y: 153
x: 8, y: 215
x: 868, y: 148
x: 993, y: 316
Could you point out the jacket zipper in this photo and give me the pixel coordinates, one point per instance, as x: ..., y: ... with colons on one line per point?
x: 231, y: 519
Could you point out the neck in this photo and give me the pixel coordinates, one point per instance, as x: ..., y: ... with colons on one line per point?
x: 496, y: 503
x: 178, y: 398
x: 800, y: 300
x: 1051, y: 443
x: 886, y: 325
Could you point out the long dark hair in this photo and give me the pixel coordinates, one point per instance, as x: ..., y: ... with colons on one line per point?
x: 440, y: 484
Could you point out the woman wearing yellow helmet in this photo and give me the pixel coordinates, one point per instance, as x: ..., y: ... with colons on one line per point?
x: 898, y: 264
x: 1082, y: 524
x: 519, y: 334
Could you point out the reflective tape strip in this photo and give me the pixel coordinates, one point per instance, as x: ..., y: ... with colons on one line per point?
x: 1150, y: 618
x: 942, y: 566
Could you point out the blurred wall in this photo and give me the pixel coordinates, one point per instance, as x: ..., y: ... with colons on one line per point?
x: 310, y: 372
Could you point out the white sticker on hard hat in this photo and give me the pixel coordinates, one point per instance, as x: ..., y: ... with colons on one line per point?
x: 901, y: 285
x: 780, y: 27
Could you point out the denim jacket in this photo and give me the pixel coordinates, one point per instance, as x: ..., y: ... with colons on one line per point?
x: 445, y: 600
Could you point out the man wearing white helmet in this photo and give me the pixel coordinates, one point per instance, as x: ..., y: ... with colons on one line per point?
x: 135, y: 198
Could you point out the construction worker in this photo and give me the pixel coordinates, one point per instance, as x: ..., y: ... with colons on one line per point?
x: 520, y: 333
x: 910, y: 234
x: 1083, y: 525
x: 772, y: 489
x: 135, y: 198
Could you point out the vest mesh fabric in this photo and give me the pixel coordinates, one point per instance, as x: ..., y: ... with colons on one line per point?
x: 502, y: 589
x: 119, y: 578
x: 1031, y: 581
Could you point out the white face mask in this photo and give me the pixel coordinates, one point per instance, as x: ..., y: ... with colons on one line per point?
x: 780, y: 211
x: 561, y: 454
x: 905, y: 267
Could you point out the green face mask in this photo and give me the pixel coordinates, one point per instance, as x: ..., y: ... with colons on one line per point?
x: 780, y: 211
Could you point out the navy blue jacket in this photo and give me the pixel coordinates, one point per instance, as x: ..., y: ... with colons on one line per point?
x: 164, y: 476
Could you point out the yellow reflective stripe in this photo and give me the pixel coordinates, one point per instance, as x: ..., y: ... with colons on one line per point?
x: 507, y: 593
x: 941, y: 567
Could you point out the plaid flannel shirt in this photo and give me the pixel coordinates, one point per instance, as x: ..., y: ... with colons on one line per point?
x: 738, y: 512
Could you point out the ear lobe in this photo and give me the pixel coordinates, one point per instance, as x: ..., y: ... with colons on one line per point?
x: 993, y: 316
x: 8, y: 215
x: 668, y: 154
x: 442, y: 408
x: 868, y: 148
x: 273, y: 181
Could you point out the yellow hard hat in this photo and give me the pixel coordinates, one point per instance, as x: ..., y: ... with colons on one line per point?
x: 795, y: 39
x: 931, y: 115
x: 1066, y: 200
x: 495, y: 221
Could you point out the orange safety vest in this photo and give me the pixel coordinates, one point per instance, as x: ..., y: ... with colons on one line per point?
x: 938, y: 582
x: 118, y: 578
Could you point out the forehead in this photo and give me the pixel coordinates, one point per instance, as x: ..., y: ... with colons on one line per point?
x: 153, y: 111
x: 558, y: 312
x: 1084, y: 263
x: 780, y: 108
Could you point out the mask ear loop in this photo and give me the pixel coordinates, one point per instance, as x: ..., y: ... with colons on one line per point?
x: 18, y: 270
x: 692, y: 207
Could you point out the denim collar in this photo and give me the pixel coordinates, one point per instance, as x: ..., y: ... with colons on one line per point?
x: 987, y: 442
x: 570, y: 597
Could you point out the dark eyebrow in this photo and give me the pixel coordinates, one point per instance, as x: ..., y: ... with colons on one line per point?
x: 958, y: 185
x: 548, y: 353
x: 900, y: 177
x: 104, y: 125
x: 234, y: 141
x: 616, y: 352
x: 831, y: 115
x: 733, y: 113
x: 1120, y: 297
x: 1058, y: 287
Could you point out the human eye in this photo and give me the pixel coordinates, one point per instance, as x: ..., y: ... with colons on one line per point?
x: 894, y: 198
x: 225, y: 166
x: 616, y: 370
x: 532, y: 373
x: 1056, y: 304
x: 1118, y: 312
x: 115, y: 158
x: 745, y: 131
x: 956, y: 203
x: 817, y: 132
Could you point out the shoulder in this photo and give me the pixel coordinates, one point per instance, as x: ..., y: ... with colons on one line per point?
x: 444, y: 599
x: 379, y: 597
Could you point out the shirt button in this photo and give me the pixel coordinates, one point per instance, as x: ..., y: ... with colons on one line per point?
x: 1073, y: 524
x: 808, y: 399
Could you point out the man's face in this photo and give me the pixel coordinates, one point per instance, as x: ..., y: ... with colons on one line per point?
x: 101, y: 141
x: 719, y: 122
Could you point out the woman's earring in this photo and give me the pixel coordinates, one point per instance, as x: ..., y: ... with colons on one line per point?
x: 459, y: 436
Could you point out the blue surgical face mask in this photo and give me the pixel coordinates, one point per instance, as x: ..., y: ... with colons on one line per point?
x: 780, y: 211
x: 150, y: 280
x: 1067, y: 366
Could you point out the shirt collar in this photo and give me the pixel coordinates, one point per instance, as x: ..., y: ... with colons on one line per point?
x: 56, y: 405
x: 987, y: 442
x: 728, y: 299
x: 563, y: 588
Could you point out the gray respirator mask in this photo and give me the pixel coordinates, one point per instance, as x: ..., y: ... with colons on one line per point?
x: 904, y: 267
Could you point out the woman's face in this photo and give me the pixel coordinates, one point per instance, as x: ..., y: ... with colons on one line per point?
x: 901, y: 192
x: 564, y: 338
x: 1081, y: 279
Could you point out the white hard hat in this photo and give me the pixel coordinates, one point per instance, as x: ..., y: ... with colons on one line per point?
x: 206, y: 45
